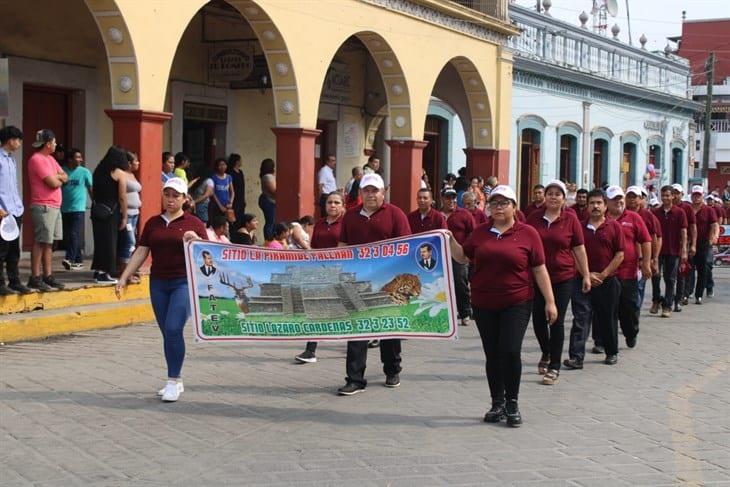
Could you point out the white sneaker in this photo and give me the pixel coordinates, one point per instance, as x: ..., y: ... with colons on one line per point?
x: 178, y: 385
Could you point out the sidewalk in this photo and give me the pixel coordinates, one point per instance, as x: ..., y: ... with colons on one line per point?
x: 82, y: 410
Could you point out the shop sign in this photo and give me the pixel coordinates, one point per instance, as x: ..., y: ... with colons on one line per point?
x: 231, y: 61
x: 336, y: 88
x: 657, y: 126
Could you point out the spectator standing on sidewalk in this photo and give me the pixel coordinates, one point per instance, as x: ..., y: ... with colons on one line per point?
x: 235, y: 163
x: 168, y: 166
x: 11, y: 206
x: 223, y: 192
x: 73, y: 208
x: 267, y: 198
x: 45, y: 178
x: 128, y: 235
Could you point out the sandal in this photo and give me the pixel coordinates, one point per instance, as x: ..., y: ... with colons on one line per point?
x: 542, y: 365
x: 551, y: 377
x: 134, y: 279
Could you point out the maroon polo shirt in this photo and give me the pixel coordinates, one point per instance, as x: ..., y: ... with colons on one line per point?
x: 558, y: 239
x: 581, y: 213
x: 533, y: 207
x: 432, y: 220
x: 651, y: 222
x: 388, y: 221
x: 671, y: 222
x: 635, y: 232
x: 165, y: 241
x: 503, y: 265
x: 479, y: 216
x: 704, y: 217
x: 326, y: 235
x: 602, y: 244
x: 520, y: 216
x: 719, y: 213
x: 689, y: 212
x: 461, y: 224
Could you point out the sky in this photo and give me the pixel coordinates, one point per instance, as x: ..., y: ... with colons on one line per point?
x: 657, y: 19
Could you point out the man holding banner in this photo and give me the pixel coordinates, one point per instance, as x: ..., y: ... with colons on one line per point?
x: 372, y: 221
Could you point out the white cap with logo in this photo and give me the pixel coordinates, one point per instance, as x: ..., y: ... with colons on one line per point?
x: 614, y: 192
x: 698, y: 189
x: 372, y: 179
x: 558, y: 184
x: 635, y: 190
x: 677, y: 187
x: 503, y: 190
x: 177, y: 184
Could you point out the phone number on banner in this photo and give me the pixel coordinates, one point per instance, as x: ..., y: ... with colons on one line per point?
x: 363, y: 325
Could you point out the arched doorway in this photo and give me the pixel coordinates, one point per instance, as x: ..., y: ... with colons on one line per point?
x: 628, y: 165
x: 529, y: 164
x: 677, y: 164
x: 600, y: 162
x: 568, y: 158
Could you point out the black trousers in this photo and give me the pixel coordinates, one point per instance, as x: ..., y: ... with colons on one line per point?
x: 461, y: 288
x: 357, y: 356
x: 701, y: 267
x: 628, y: 312
x: 10, y: 256
x: 668, y: 266
x: 604, y: 304
x: 502, y: 333
x: 311, y: 347
x: 552, y: 337
x: 323, y: 205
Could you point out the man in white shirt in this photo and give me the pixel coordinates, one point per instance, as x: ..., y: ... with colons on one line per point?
x: 327, y: 182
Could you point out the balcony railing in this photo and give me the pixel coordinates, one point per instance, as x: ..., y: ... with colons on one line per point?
x: 493, y: 8
x: 722, y: 126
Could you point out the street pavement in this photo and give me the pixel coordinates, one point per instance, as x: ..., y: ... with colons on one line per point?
x: 82, y: 410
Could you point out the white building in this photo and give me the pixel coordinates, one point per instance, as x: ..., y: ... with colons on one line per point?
x: 591, y: 109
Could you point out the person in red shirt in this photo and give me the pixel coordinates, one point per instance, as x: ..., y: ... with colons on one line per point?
x: 372, y: 221
x: 722, y: 219
x: 425, y: 218
x: 636, y: 200
x: 604, y: 243
x: 163, y: 237
x: 581, y: 204
x: 538, y: 199
x: 637, y: 256
x: 681, y: 297
x: 707, y: 233
x: 469, y: 200
x: 562, y: 239
x: 673, y: 222
x: 326, y: 234
x: 513, y: 251
x: 460, y: 223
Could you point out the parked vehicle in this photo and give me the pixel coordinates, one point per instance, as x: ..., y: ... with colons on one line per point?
x: 723, y: 258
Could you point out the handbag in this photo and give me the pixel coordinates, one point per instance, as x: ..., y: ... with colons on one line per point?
x: 100, y: 211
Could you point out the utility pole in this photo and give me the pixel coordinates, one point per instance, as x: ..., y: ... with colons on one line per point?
x: 710, y: 69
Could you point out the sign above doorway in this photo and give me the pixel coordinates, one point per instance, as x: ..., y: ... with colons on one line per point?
x: 232, y: 61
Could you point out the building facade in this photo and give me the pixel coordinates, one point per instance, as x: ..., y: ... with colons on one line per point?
x: 291, y: 81
x: 592, y: 110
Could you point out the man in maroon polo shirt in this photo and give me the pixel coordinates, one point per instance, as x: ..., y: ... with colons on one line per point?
x: 681, y: 297
x: 673, y: 222
x: 722, y: 219
x: 707, y: 232
x: 369, y: 222
x: 604, y: 243
x: 460, y: 222
x: 538, y: 199
x: 581, y: 204
x: 425, y: 217
x: 637, y: 255
x: 636, y: 200
x: 469, y: 200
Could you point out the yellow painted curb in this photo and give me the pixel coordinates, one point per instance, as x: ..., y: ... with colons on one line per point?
x: 30, y: 326
x: 82, y: 296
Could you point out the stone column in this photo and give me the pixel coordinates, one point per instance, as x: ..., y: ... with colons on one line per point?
x: 406, y: 167
x: 488, y: 162
x: 295, y: 175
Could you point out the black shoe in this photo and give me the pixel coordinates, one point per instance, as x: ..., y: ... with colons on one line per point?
x: 306, y: 357
x: 685, y: 301
x: 698, y: 300
x: 598, y: 349
x: 573, y: 363
x: 66, y: 264
x: 37, y: 283
x: 710, y: 293
x: 5, y: 290
x: 104, y: 278
x: 20, y: 287
x: 514, y: 418
x: 677, y: 308
x: 631, y: 342
x: 496, y: 414
x: 53, y: 282
x: 611, y: 360
x: 350, y: 389
x: 392, y: 381
x: 373, y: 343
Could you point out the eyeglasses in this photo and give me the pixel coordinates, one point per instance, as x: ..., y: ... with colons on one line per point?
x: 499, y: 204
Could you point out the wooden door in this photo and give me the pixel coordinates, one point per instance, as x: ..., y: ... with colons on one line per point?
x: 598, y: 156
x: 432, y: 154
x: 529, y: 165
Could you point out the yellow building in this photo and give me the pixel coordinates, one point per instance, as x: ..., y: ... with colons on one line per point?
x: 290, y: 80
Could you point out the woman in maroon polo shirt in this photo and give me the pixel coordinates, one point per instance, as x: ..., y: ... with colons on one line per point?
x: 508, y: 258
x: 326, y: 234
x: 562, y: 239
x: 163, y: 237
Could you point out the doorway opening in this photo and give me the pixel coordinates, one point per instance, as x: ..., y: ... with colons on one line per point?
x: 529, y: 164
x: 600, y: 162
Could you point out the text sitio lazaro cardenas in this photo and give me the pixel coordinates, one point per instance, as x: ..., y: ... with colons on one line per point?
x: 363, y: 252
x: 361, y: 325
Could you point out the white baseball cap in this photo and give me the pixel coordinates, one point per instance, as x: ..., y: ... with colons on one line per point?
x: 558, y: 184
x: 635, y: 190
x: 698, y: 189
x: 372, y: 179
x: 614, y: 192
x: 654, y: 201
x: 503, y: 190
x: 9, y: 230
x: 177, y: 184
x: 677, y: 187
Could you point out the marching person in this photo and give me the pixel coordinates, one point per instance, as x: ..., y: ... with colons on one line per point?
x: 673, y: 222
x: 460, y: 223
x: 637, y: 255
x: 372, y: 221
x: 512, y: 250
x: 681, y: 297
x: 469, y: 201
x: 538, y: 199
x: 707, y: 232
x: 565, y: 253
x: 425, y: 218
x: 163, y: 238
x: 581, y: 204
x: 326, y: 234
x: 604, y: 243
x: 636, y: 201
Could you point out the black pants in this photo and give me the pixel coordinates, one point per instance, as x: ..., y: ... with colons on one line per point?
x: 604, y: 304
x: 323, y: 205
x: 628, y: 312
x: 311, y: 347
x: 357, y: 356
x: 10, y: 256
x: 502, y: 332
x: 668, y: 266
x: 461, y: 287
x: 683, y: 285
x: 106, y: 233
x: 701, y: 267
x: 551, y: 337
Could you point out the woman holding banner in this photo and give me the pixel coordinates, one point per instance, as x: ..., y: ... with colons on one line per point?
x: 326, y: 234
x: 512, y: 250
x: 163, y: 237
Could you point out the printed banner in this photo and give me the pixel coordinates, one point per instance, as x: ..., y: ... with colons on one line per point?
x: 724, y: 236
x: 399, y: 288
